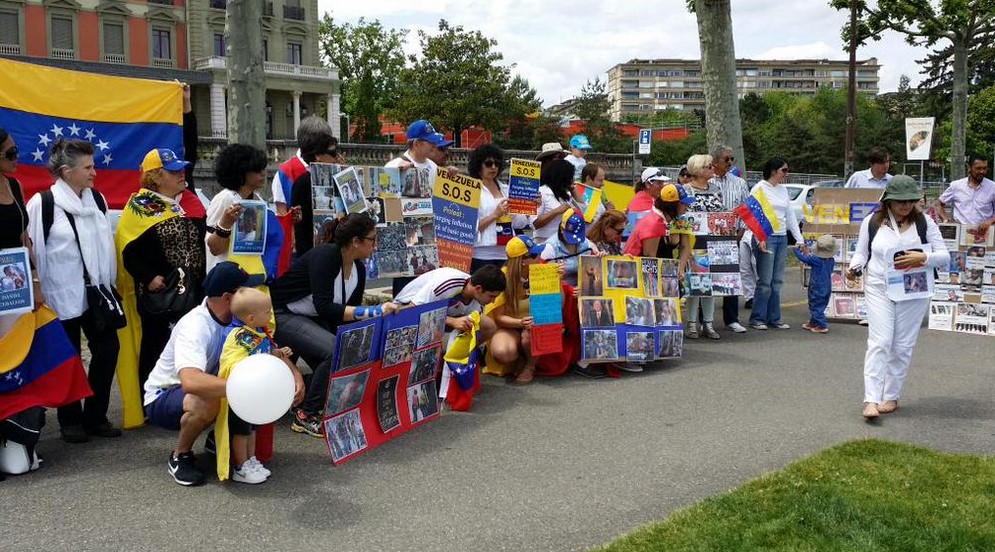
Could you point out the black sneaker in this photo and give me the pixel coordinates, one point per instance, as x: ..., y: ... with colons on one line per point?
x: 103, y: 429
x: 210, y: 447
x: 748, y: 305
x: 307, y: 423
x: 593, y: 371
x: 184, y: 470
x: 74, y: 434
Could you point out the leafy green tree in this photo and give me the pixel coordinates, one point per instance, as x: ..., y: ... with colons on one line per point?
x: 981, y: 122
x: 953, y: 28
x: 458, y: 82
x: 592, y: 106
x: 369, y: 59
x: 669, y: 153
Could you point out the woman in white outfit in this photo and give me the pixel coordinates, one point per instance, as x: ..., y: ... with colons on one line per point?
x: 893, y: 326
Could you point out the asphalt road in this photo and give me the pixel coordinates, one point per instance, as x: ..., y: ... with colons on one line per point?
x: 558, y: 465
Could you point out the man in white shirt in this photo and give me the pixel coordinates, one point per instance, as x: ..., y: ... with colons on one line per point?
x: 183, y: 391
x: 877, y: 175
x: 579, y: 146
x: 973, y: 198
x: 733, y: 191
x: 464, y: 292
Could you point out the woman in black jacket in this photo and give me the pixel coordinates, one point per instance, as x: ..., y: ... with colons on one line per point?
x: 322, y: 290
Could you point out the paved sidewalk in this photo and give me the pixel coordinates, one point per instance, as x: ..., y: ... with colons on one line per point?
x: 558, y: 465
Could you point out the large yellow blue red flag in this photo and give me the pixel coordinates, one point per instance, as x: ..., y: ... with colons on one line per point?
x: 124, y: 118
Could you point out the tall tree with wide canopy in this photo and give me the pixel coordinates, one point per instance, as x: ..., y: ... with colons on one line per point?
x: 954, y: 28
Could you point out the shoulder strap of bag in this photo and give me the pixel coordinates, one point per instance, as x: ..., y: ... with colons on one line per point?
x: 872, y: 230
x: 921, y: 229
x: 47, y: 212
x: 86, y: 273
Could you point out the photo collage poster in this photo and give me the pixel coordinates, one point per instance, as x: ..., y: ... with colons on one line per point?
x: 16, y: 291
x: 714, y: 267
x: 383, y: 380
x: 629, y: 309
x: 964, y: 293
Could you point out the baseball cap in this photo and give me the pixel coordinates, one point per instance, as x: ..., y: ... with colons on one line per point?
x: 423, y: 130
x: 825, y: 246
x: 549, y: 149
x: 439, y: 139
x: 654, y: 174
x: 163, y: 158
x: 573, y: 227
x: 226, y: 277
x: 673, y: 192
x: 580, y: 141
x: 520, y: 246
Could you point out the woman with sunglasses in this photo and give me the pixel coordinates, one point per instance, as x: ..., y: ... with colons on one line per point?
x: 322, y: 290
x: 708, y: 199
x: 893, y: 326
x: 158, y: 241
x: 772, y: 253
x: 495, y: 227
x: 606, y: 232
x: 13, y: 214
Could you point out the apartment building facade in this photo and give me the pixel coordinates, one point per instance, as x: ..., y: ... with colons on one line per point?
x: 644, y: 86
x: 181, y: 40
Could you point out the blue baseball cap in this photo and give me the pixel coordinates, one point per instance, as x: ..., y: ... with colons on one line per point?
x: 226, y: 277
x: 580, y: 141
x: 163, y: 158
x: 423, y: 130
x: 439, y: 140
x: 573, y: 227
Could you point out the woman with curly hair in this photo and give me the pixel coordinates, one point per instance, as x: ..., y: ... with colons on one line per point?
x: 495, y: 227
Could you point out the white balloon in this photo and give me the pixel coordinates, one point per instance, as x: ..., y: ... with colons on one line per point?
x: 260, y: 389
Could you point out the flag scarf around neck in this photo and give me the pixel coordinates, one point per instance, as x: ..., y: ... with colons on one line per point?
x: 122, y: 117
x: 143, y: 210
x: 39, y: 365
x: 759, y: 216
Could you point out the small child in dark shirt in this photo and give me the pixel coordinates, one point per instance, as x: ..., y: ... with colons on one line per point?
x: 820, y: 285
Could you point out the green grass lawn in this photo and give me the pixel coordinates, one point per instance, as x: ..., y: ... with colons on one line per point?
x: 864, y: 495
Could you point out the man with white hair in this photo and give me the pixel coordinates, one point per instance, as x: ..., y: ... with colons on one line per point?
x: 733, y: 191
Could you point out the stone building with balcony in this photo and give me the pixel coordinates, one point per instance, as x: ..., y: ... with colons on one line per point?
x: 181, y: 40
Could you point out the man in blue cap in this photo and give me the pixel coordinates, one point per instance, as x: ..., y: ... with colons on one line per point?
x: 422, y: 141
x: 579, y: 146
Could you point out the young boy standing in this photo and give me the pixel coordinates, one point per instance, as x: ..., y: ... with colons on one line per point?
x: 819, y: 282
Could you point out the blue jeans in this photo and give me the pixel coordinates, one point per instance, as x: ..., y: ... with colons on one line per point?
x: 817, y: 308
x: 770, y: 279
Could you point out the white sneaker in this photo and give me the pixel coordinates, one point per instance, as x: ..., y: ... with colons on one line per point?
x: 247, y: 473
x: 736, y: 327
x: 629, y: 367
x: 255, y: 463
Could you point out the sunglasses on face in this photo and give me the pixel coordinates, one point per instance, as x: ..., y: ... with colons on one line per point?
x: 11, y: 154
x: 728, y: 159
x: 783, y: 170
x: 333, y: 152
x: 490, y: 163
x: 618, y: 230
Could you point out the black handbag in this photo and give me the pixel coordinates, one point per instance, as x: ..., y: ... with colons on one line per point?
x: 104, y: 310
x: 181, y: 294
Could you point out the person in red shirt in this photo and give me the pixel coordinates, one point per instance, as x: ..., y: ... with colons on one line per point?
x: 645, y: 240
x: 647, y: 190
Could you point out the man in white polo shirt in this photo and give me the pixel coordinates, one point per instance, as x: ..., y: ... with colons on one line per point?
x: 877, y: 175
x: 464, y: 292
x: 973, y: 198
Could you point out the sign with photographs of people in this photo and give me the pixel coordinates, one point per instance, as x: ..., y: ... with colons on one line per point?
x: 847, y: 299
x: 383, y: 380
x: 964, y: 293
x: 629, y: 309
x: 714, y: 267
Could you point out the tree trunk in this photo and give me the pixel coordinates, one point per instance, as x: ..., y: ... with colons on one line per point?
x: 246, y: 77
x: 718, y: 74
x: 958, y: 133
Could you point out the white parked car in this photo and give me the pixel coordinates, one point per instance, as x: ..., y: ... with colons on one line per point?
x: 800, y: 195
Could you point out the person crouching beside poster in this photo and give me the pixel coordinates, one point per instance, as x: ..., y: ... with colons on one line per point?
x: 896, y: 237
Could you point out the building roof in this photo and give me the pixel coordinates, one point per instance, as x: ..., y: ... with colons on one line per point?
x: 868, y: 61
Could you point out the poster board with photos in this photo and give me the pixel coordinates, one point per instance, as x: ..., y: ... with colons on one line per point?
x: 964, y: 293
x: 714, y: 266
x: 629, y: 309
x: 383, y: 380
x: 16, y: 289
x: 840, y: 212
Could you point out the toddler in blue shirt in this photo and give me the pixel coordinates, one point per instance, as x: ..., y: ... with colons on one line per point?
x: 820, y: 285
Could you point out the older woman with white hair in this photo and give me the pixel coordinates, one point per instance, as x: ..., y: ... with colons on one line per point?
x: 708, y: 198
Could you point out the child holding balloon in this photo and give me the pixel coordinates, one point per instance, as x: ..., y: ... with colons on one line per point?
x: 252, y: 312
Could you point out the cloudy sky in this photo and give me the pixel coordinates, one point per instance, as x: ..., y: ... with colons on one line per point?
x: 560, y: 46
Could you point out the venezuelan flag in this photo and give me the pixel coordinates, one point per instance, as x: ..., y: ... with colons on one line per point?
x: 124, y: 118
x: 758, y: 215
x: 39, y: 366
x: 591, y: 197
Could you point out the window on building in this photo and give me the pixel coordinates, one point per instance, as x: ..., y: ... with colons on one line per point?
x: 113, y: 41
x: 219, y: 45
x: 647, y: 73
x: 62, y: 33
x: 294, y: 53
x: 265, y: 49
x: 646, y: 84
x: 630, y: 73
x: 10, y: 31
x: 162, y: 47
x: 677, y: 84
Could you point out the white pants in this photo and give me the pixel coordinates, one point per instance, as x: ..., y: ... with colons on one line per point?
x: 891, y: 336
x: 747, y: 269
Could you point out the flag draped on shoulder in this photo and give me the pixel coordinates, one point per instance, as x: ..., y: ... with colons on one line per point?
x: 39, y: 365
x: 122, y: 117
x: 758, y: 215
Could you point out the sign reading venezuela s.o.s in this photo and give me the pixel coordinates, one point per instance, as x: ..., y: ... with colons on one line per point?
x: 455, y: 201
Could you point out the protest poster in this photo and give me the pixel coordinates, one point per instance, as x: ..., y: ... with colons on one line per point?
x: 350, y: 187
x: 966, y: 285
x: 16, y: 291
x: 408, y: 247
x: 546, y: 309
x: 455, y: 201
x: 715, y: 256
x: 629, y: 309
x: 523, y: 187
x: 382, y: 382
x: 249, y: 230
x: 383, y: 181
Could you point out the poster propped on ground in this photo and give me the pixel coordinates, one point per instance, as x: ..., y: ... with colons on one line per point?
x: 523, y: 187
x: 16, y: 291
x: 546, y: 309
x: 629, y: 309
x: 383, y: 380
x: 455, y: 201
x: 964, y: 293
